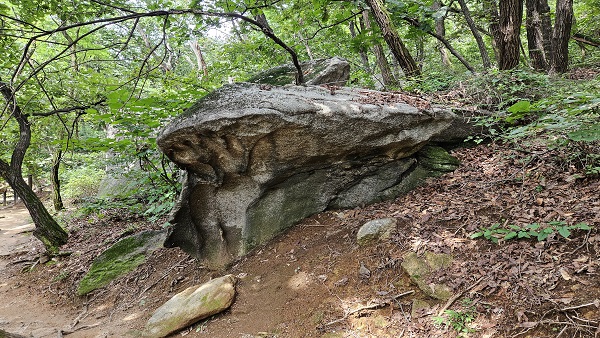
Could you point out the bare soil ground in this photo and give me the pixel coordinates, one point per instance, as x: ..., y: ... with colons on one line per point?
x: 306, y: 283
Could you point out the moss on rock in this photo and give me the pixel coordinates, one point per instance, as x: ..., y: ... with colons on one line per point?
x: 437, y: 160
x: 119, y: 259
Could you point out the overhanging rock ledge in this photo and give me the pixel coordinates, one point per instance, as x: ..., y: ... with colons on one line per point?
x: 259, y: 159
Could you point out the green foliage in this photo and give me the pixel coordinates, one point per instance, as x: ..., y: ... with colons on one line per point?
x: 459, y: 320
x: 496, y: 232
x: 82, y: 183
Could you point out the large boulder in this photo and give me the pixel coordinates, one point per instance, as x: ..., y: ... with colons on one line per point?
x: 333, y: 71
x: 259, y: 160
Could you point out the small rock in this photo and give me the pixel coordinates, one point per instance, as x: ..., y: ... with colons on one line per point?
x: 341, y: 282
x: 376, y: 230
x: 191, y: 305
x: 363, y: 272
x: 419, y: 269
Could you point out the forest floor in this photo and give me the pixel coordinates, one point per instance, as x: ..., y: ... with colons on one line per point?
x: 306, y: 283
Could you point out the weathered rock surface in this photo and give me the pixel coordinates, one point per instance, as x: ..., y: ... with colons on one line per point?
x: 260, y: 160
x: 191, y: 305
x: 4, y: 334
x: 374, y: 230
x: 420, y: 268
x: 334, y: 71
x: 119, y: 259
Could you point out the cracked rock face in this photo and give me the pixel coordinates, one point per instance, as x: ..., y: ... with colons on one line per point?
x: 259, y: 159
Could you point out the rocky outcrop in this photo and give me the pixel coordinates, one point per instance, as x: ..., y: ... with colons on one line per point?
x: 259, y: 159
x: 191, y: 305
x: 334, y: 71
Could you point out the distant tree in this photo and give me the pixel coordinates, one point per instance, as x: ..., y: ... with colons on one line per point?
x: 511, y: 16
x: 392, y: 38
x: 561, y: 36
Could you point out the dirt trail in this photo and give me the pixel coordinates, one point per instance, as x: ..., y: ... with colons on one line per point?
x: 21, y: 311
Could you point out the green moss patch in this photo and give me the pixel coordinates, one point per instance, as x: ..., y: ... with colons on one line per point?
x: 119, y: 259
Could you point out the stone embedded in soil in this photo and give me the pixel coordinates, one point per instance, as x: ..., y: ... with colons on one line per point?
x: 420, y: 269
x: 119, y: 259
x: 4, y: 334
x: 375, y: 230
x: 191, y: 305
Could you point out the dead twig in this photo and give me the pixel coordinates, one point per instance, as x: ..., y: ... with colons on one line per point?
x: 84, y: 327
x: 369, y: 307
x: 457, y: 296
x: 162, y: 277
x: 596, y: 303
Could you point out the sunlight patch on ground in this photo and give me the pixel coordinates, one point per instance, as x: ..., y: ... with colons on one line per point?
x: 300, y: 281
x: 132, y: 316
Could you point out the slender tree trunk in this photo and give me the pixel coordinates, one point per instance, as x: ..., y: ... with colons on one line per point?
x: 201, y: 64
x: 361, y: 50
x: 445, y: 42
x: 47, y: 229
x: 490, y: 7
x: 539, y: 28
x: 380, y: 59
x: 55, y: 179
x: 485, y: 58
x: 391, y: 37
x: 561, y: 36
x: 440, y: 29
x: 511, y: 16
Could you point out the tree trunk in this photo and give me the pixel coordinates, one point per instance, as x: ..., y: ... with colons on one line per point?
x: 511, y: 16
x: 490, y: 8
x: 440, y: 29
x: 361, y: 50
x: 561, y: 36
x: 391, y: 37
x: 485, y: 58
x: 538, y: 28
x: 201, y: 64
x: 380, y: 59
x: 55, y: 179
x: 47, y: 229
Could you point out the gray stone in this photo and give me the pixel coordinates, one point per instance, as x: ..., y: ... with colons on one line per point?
x: 259, y: 160
x: 333, y: 71
x: 4, y: 334
x: 191, y: 305
x: 374, y: 230
x: 121, y: 258
x: 420, y: 269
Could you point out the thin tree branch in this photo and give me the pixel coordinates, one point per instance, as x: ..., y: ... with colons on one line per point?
x: 334, y: 24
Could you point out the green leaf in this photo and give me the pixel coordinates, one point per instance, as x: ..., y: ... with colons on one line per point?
x: 542, y: 236
x: 520, y: 107
x: 477, y: 234
x: 564, y: 231
x: 510, y: 235
x: 582, y: 226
